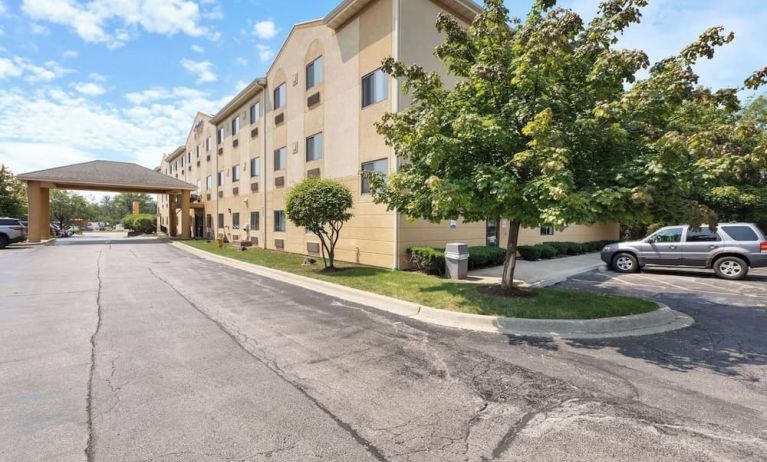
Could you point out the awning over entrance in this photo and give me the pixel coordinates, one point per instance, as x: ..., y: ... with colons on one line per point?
x: 99, y: 175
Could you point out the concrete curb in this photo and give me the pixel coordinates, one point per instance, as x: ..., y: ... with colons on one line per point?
x: 663, y: 319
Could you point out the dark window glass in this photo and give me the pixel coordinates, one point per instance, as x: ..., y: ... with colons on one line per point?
x: 279, y: 96
x: 702, y: 235
x: 381, y: 165
x: 280, y: 159
x: 254, y: 221
x: 236, y: 125
x: 668, y: 235
x: 314, y: 147
x: 236, y: 220
x: 255, y: 112
x: 547, y: 230
x: 741, y: 233
x: 279, y: 221
x: 314, y: 73
x: 221, y: 178
x: 220, y: 136
x: 236, y: 172
x: 8, y: 222
x: 220, y: 220
x: 375, y: 87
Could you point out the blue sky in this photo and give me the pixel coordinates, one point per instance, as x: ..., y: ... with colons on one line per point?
x: 123, y: 79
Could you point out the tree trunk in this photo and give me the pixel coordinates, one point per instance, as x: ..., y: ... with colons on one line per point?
x: 510, y: 263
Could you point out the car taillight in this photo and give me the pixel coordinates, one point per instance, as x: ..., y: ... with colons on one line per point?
x: 17, y: 228
x: 763, y: 247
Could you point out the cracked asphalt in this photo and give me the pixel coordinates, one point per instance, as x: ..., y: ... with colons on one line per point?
x: 133, y: 350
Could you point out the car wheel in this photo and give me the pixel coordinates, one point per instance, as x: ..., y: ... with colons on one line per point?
x: 731, y: 268
x: 3, y: 241
x: 625, y: 263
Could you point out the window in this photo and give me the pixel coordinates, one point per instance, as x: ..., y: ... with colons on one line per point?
x: 280, y: 158
x: 236, y: 220
x: 199, y: 185
x: 209, y: 183
x: 741, y: 233
x: 255, y: 112
x: 236, y: 172
x: 220, y: 135
x: 547, y: 230
x: 381, y: 165
x: 220, y: 220
x: 220, y: 178
x: 314, y: 73
x: 375, y: 87
x: 279, y: 96
x: 314, y: 147
x: 279, y: 221
x: 198, y: 151
x: 255, y: 167
x: 667, y: 235
x: 207, y: 144
x: 236, y: 125
x: 189, y: 157
x: 182, y: 161
x: 702, y: 235
x: 255, y: 221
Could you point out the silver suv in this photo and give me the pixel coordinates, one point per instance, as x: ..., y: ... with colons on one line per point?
x: 730, y: 249
x: 11, y: 231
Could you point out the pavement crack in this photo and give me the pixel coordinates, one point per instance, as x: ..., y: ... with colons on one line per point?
x: 271, y: 365
x: 89, y: 447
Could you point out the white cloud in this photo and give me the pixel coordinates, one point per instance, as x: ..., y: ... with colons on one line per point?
x: 89, y: 88
x: 70, y: 54
x: 109, y: 21
x: 2, y: 8
x: 265, y: 30
x: 96, y: 77
x: 33, y: 73
x: 198, y: 49
x: 242, y: 61
x: 202, y: 69
x: 77, y: 129
x: 39, y: 29
x: 265, y: 52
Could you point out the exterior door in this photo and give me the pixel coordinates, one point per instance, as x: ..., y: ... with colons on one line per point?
x: 664, y: 247
x: 699, y: 244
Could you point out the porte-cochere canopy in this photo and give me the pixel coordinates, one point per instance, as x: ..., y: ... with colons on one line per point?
x: 99, y: 175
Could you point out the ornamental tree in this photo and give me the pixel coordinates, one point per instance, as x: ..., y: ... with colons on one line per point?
x: 322, y: 207
x: 13, y: 200
x: 547, y: 124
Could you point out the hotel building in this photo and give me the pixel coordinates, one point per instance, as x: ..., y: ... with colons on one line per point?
x: 313, y: 114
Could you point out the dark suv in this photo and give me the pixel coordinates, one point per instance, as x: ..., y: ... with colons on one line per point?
x: 729, y: 250
x: 11, y: 231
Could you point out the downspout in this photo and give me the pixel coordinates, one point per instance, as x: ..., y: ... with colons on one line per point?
x: 395, y: 108
x: 263, y: 85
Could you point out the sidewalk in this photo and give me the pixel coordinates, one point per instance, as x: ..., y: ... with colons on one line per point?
x: 541, y: 273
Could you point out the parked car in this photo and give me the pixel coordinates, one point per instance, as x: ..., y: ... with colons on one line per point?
x: 729, y: 250
x: 11, y: 231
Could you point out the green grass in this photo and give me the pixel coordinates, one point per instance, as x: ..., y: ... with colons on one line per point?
x: 440, y: 293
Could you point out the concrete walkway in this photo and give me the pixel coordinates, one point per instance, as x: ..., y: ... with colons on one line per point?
x: 542, y: 273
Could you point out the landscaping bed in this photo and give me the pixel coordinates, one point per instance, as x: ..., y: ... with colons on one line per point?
x: 441, y: 293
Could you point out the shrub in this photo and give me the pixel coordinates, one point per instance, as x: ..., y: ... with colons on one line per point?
x: 529, y: 252
x: 547, y: 251
x: 142, y: 223
x: 560, y: 247
x: 573, y: 248
x: 427, y: 260
x: 484, y: 256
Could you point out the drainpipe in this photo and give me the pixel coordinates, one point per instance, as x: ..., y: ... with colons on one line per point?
x: 262, y: 83
x: 395, y: 108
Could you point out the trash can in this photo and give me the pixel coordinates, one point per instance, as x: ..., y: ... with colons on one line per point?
x: 457, y: 260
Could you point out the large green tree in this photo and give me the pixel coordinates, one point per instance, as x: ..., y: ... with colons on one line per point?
x: 13, y: 196
x: 322, y: 207
x: 67, y: 206
x: 547, y: 124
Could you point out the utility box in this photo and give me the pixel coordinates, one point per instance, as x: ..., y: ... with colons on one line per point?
x: 457, y: 260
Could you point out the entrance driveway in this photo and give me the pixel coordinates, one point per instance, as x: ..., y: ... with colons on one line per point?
x: 134, y: 350
x: 541, y: 273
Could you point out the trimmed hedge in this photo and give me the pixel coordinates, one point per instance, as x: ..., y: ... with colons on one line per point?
x: 544, y: 251
x: 529, y: 252
x: 142, y: 223
x: 431, y: 260
x: 547, y: 251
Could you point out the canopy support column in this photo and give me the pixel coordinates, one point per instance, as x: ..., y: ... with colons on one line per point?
x: 185, y: 220
x: 172, y: 220
x: 34, y: 203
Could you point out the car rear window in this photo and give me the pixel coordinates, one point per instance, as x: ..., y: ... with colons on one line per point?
x: 741, y: 233
x: 8, y: 222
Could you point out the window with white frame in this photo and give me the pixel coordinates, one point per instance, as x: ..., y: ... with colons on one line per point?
x: 220, y: 135
x: 209, y: 183
x: 236, y: 125
x: 207, y: 144
x: 255, y: 167
x: 279, y: 221
x: 236, y: 172
x: 220, y: 178
x: 255, y: 221
x: 255, y: 112
x: 280, y: 94
x: 314, y: 147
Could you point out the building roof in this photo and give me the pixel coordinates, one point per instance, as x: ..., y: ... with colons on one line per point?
x: 105, y: 175
x: 347, y: 9
x: 251, y: 90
